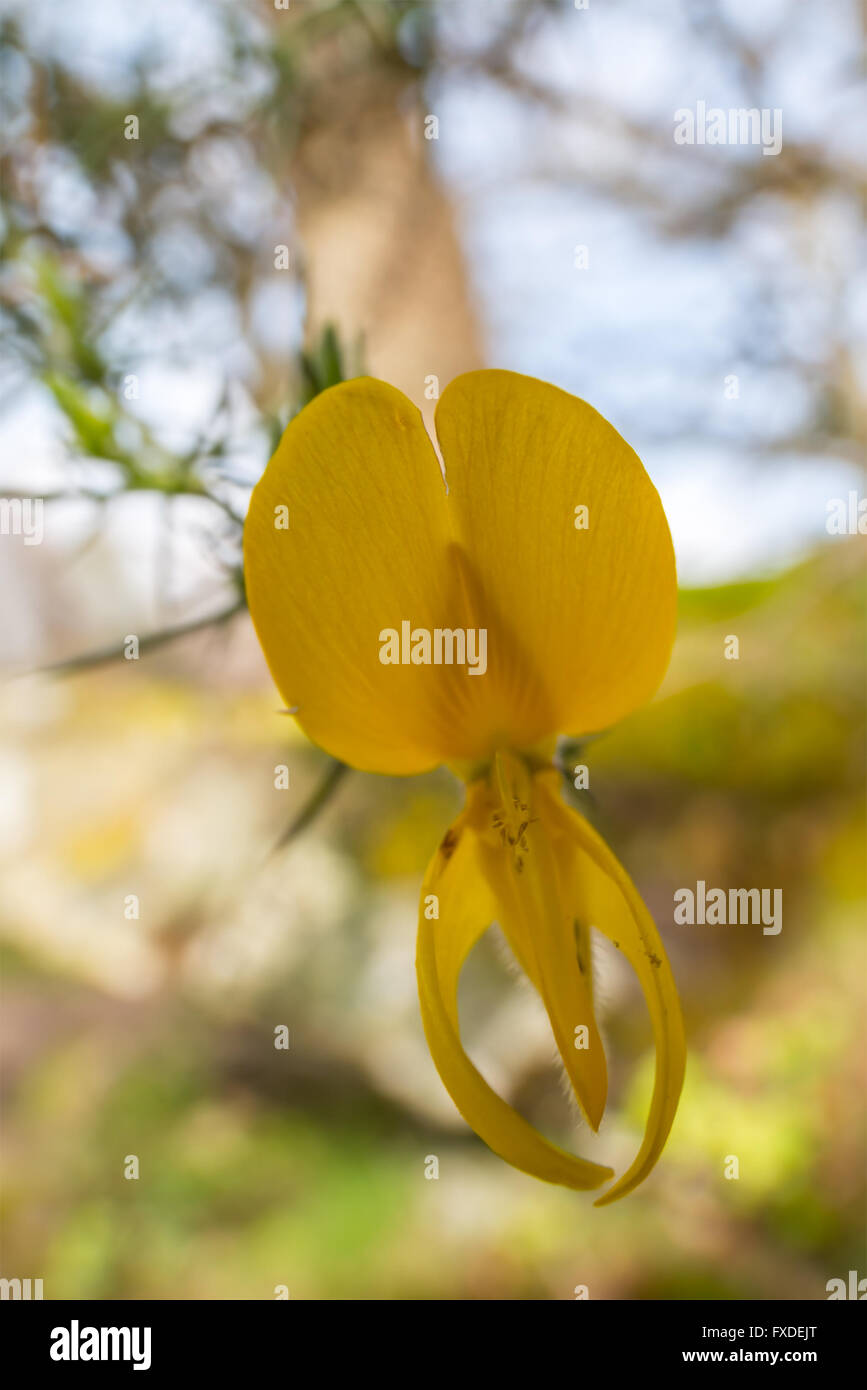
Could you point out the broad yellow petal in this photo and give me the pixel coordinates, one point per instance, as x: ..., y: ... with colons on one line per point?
x: 601, y: 895
x: 466, y: 908
x: 350, y: 535
x: 359, y: 547
x: 581, y: 620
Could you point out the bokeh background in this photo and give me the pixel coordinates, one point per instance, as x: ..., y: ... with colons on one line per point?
x: 282, y: 221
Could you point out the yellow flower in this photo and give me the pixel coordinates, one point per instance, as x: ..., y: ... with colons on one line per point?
x: 409, y: 622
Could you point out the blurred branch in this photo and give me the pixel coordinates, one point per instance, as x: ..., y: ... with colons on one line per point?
x: 318, y: 799
x: 146, y: 644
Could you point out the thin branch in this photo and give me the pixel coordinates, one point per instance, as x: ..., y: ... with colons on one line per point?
x: 146, y: 644
x: 318, y: 799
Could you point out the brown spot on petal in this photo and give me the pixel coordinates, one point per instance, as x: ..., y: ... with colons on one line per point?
x: 449, y: 842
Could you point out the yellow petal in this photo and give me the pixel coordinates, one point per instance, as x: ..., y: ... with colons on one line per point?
x: 581, y: 621
x: 364, y: 550
x: 519, y: 863
x: 466, y: 908
x: 602, y: 895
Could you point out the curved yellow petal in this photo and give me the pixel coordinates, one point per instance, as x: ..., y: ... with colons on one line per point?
x: 518, y: 861
x: 602, y: 895
x: 581, y: 618
x: 466, y: 908
x: 357, y: 548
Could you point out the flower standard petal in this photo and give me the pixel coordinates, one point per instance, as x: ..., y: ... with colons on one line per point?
x: 345, y: 538
x: 590, y: 594
x: 465, y: 910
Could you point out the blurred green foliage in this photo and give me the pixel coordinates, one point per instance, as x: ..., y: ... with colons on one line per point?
x: 256, y: 1172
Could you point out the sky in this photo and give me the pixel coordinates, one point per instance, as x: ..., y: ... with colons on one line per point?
x: 652, y: 330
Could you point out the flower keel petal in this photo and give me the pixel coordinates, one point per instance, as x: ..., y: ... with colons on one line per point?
x: 602, y: 895
x: 465, y: 910
x: 521, y: 869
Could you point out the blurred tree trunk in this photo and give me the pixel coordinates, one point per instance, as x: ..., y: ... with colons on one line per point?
x: 378, y: 232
